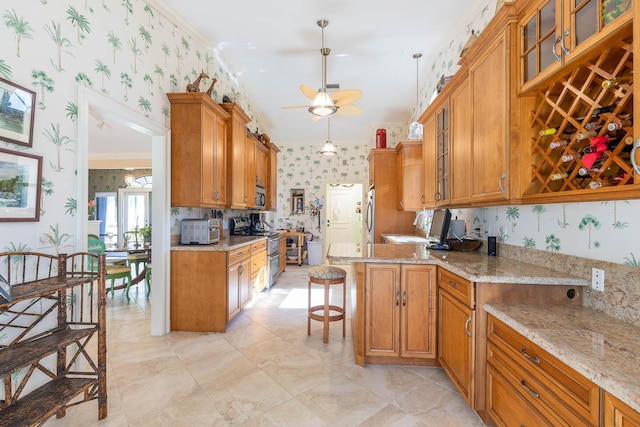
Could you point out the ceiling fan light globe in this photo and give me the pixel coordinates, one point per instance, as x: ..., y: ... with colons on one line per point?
x: 329, y: 149
x: 415, y: 130
x: 322, y: 105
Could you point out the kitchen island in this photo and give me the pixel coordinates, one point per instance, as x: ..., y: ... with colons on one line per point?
x: 414, y: 305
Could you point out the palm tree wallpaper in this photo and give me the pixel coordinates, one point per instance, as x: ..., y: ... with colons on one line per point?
x: 130, y: 51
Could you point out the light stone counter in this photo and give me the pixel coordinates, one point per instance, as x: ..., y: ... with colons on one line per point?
x: 603, y: 349
x: 473, y: 266
x: 227, y: 244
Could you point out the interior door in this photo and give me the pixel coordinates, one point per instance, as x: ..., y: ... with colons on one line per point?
x: 134, y: 211
x: 343, y: 222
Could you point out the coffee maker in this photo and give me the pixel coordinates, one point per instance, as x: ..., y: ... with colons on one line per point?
x: 258, y: 224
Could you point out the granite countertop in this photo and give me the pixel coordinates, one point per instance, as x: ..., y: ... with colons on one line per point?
x: 226, y: 244
x: 602, y: 348
x: 473, y: 266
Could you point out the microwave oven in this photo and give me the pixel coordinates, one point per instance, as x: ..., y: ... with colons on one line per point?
x: 200, y: 231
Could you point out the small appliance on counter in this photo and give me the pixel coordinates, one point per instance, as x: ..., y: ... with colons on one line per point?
x: 239, y: 226
x: 200, y: 231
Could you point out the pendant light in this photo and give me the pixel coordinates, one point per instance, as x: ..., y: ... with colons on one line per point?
x: 415, y: 128
x: 329, y: 149
x: 322, y: 104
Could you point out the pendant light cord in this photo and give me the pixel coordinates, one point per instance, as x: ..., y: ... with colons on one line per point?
x: 417, y: 56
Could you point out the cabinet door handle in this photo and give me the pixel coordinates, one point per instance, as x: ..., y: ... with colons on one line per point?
x: 532, y: 358
x: 241, y: 270
x: 553, y: 50
x: 397, y: 298
x: 422, y: 199
x: 404, y: 298
x: 565, y: 51
x: 402, y: 204
x: 453, y: 284
x: 502, y: 177
x: 466, y: 326
x: 531, y: 391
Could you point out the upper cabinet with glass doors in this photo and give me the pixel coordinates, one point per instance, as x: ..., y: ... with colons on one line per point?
x: 553, y: 33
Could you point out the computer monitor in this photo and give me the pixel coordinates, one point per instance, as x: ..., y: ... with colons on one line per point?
x: 440, y: 226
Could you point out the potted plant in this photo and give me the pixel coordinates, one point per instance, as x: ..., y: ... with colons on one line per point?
x: 146, y: 234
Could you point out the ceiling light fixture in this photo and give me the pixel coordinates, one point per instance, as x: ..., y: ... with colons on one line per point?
x: 129, y: 178
x: 322, y: 104
x: 329, y: 149
x: 415, y: 128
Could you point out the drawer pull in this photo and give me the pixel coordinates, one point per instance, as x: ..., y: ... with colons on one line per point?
x: 532, y: 358
x: 453, y: 284
x: 466, y: 326
x: 526, y: 387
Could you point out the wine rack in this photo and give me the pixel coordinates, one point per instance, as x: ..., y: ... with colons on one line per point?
x: 571, y: 106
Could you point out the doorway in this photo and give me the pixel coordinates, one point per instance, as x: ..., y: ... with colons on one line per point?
x: 89, y: 102
x: 343, y: 223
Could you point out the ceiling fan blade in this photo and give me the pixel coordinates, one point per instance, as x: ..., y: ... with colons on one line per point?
x: 295, y: 106
x: 349, y: 110
x: 346, y: 96
x: 308, y: 91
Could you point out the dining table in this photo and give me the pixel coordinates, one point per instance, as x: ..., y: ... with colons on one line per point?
x: 116, y: 255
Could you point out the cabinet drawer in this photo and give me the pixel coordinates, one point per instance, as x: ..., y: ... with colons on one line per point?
x: 505, y: 405
x: 258, y: 262
x: 259, y: 246
x: 577, y: 398
x: 239, y: 254
x: 460, y: 288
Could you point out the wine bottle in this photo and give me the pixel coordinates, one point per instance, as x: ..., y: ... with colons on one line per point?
x: 558, y: 143
x: 549, y: 131
x: 605, y: 109
x: 558, y: 176
x: 618, y: 124
x: 616, y: 81
x: 610, y: 171
x: 572, y: 156
x: 584, y: 135
x: 599, y: 183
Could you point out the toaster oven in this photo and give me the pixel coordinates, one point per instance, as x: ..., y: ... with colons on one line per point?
x: 199, y: 231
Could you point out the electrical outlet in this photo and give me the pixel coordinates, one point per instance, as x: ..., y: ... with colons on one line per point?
x: 597, y: 279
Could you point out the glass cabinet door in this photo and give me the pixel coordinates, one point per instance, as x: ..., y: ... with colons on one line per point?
x: 442, y: 156
x: 538, y: 40
x: 586, y: 18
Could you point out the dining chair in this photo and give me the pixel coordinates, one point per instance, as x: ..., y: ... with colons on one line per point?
x: 97, y: 247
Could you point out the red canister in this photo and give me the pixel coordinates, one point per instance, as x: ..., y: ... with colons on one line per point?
x: 381, y: 138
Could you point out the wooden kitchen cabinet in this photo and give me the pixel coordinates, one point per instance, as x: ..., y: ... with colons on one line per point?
x: 410, y: 176
x: 400, y: 314
x: 383, y: 174
x: 494, y: 103
x: 456, y: 335
x: 250, y: 169
x: 618, y: 414
x: 462, y: 326
x: 237, y: 154
x: 198, y: 151
x: 239, y: 280
x: 543, y: 386
x: 262, y: 164
x: 555, y: 33
x: 461, y: 143
x: 272, y: 178
x: 209, y: 288
x: 259, y: 271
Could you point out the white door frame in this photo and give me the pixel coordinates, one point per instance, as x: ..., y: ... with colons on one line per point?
x: 114, y: 111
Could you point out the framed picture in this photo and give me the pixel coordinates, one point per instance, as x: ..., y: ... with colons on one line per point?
x: 17, y: 110
x: 20, y: 185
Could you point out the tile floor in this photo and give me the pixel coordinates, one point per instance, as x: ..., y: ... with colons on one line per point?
x: 264, y: 371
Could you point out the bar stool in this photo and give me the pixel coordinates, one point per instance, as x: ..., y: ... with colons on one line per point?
x: 327, y: 275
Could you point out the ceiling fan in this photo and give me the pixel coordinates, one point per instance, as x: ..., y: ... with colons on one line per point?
x: 323, y: 103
